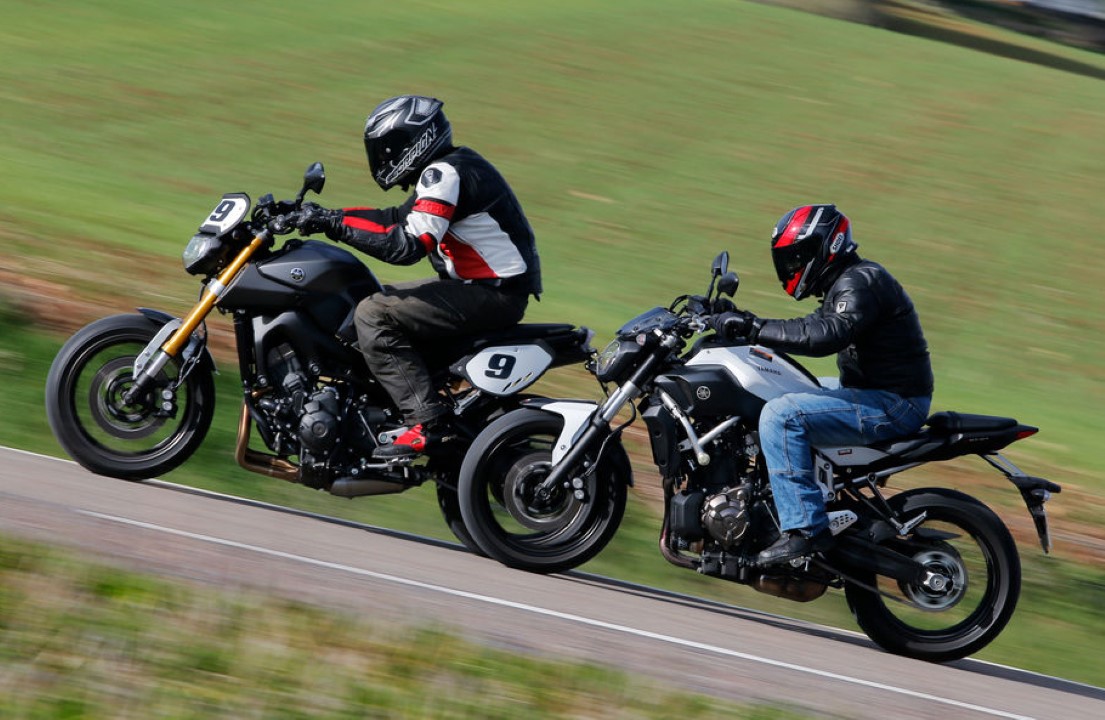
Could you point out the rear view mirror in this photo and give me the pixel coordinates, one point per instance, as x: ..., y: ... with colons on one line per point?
x: 313, y: 180
x: 721, y: 263
x: 728, y: 284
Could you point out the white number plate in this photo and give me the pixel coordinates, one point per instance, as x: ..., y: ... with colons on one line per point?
x: 506, y: 369
x: 226, y: 215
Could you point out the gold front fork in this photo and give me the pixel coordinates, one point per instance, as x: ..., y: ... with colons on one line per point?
x: 211, y: 295
x: 178, y: 340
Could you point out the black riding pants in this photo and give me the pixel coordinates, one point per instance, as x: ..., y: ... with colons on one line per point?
x: 389, y: 323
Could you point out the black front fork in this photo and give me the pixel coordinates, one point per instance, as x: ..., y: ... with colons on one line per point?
x: 598, y: 429
x: 575, y: 463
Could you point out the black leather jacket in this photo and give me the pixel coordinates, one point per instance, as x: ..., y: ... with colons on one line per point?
x: 868, y: 319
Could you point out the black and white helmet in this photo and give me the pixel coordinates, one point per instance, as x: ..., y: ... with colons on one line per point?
x: 402, y: 136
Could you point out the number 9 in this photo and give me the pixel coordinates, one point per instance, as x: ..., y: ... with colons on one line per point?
x: 222, y: 212
x: 499, y: 366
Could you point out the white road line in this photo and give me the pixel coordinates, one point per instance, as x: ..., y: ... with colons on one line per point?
x: 560, y: 615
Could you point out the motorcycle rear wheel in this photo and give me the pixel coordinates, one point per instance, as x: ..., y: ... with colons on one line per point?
x: 497, y: 479
x: 981, y: 563
x: 449, y: 505
x: 103, y: 432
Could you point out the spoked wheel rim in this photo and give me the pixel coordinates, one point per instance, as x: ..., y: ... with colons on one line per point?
x: 959, y: 585
x: 946, y: 582
x: 109, y: 408
x: 145, y: 426
x: 525, y: 516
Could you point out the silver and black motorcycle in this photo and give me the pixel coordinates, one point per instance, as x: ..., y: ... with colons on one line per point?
x: 930, y: 573
x: 132, y: 396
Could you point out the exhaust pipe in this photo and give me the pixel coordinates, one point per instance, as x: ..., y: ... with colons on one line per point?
x: 260, y: 462
x: 356, y: 487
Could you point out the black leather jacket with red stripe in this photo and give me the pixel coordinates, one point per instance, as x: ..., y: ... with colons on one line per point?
x: 867, y: 318
x: 463, y: 216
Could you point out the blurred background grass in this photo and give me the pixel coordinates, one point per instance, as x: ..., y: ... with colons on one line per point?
x: 90, y: 641
x: 642, y: 137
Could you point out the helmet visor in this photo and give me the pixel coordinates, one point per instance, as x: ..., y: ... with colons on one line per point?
x: 378, y: 164
x: 789, y: 260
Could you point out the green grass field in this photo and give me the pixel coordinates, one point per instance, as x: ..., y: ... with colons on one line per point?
x: 642, y: 137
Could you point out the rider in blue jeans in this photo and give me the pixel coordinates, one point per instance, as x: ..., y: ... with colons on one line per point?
x: 885, y: 375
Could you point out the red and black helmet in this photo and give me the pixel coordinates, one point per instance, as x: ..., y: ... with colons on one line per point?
x: 402, y: 136
x: 808, y: 243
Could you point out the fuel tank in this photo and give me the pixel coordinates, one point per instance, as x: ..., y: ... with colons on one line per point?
x: 319, y: 277
x: 760, y: 371
x: 318, y: 267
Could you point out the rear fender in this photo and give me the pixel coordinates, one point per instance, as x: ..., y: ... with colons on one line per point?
x: 1035, y: 491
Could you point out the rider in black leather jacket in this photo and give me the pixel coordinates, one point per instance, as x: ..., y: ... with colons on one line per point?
x: 886, y: 379
x: 868, y: 320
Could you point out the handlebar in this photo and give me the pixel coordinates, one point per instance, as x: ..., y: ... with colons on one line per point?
x: 278, y: 217
x: 283, y: 224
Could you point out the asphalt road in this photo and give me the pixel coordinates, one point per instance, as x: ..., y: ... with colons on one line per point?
x: 385, y: 576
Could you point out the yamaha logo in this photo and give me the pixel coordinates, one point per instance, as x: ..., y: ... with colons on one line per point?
x: 702, y: 392
x: 297, y: 274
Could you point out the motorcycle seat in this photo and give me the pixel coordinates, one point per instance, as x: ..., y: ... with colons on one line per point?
x: 902, y: 445
x: 567, y: 342
x: 528, y: 331
x: 965, y: 422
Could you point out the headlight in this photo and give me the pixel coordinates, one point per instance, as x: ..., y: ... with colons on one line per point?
x: 616, y: 360
x: 203, y: 253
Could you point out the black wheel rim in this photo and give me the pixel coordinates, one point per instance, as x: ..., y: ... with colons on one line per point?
x: 521, y: 517
x: 962, y: 582
x: 148, y: 427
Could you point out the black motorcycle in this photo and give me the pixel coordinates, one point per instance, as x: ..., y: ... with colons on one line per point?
x: 132, y: 396
x: 931, y: 573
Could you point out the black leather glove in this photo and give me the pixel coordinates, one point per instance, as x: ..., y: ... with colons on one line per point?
x: 736, y: 324
x: 722, y: 305
x: 313, y: 219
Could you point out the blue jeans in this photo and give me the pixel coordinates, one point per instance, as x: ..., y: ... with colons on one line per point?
x: 792, y: 424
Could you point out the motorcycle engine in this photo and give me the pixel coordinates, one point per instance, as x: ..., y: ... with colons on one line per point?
x: 717, y: 501
x: 725, y: 516
x: 722, y: 516
x: 318, y: 425
x: 305, y: 419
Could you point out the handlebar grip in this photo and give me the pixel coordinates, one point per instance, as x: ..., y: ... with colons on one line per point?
x: 282, y: 224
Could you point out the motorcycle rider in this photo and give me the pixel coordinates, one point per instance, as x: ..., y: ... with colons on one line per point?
x: 886, y: 379
x: 465, y: 218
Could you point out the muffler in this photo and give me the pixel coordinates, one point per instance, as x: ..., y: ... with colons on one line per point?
x: 356, y: 487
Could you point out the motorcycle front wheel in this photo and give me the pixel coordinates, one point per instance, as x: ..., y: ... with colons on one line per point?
x: 144, y: 438
x: 973, y: 550
x: 511, y: 521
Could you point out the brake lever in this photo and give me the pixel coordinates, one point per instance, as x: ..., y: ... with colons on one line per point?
x: 282, y: 224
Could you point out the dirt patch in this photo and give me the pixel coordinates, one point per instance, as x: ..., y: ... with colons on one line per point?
x: 63, y: 292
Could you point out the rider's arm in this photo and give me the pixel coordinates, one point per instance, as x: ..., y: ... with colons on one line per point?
x: 828, y: 329
x: 406, y: 234
x: 379, y: 233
